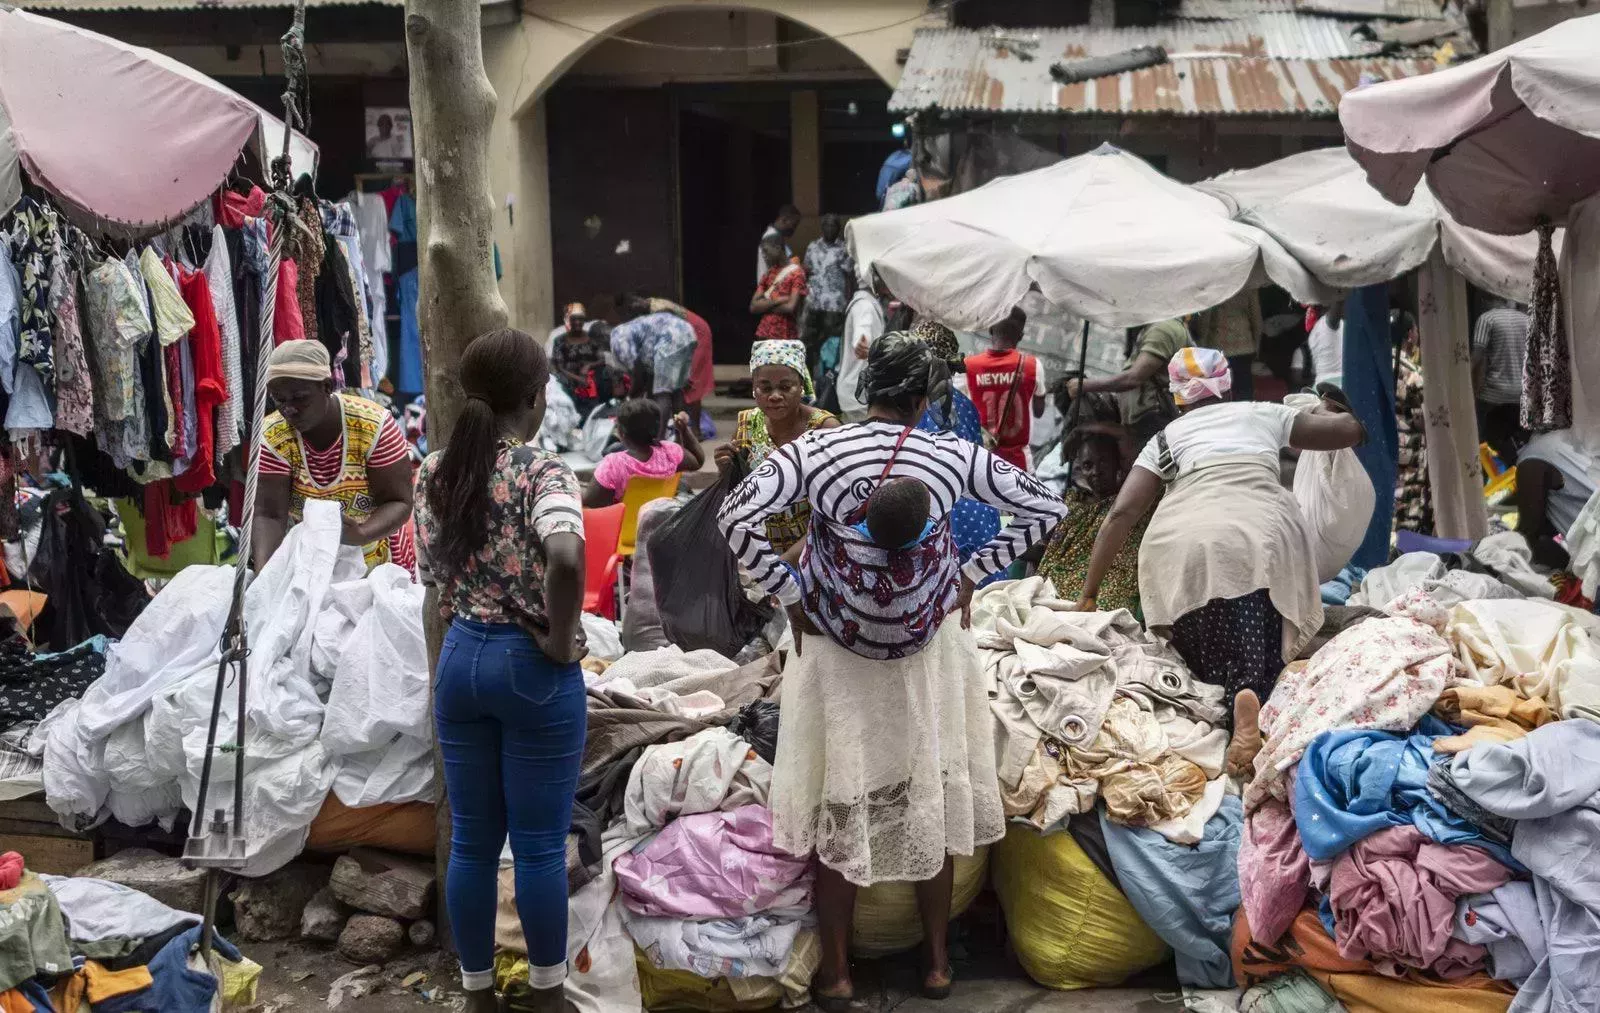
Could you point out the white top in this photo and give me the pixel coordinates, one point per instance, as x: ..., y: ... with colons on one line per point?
x: 1327, y: 351
x: 1566, y: 455
x: 862, y: 319
x: 1258, y: 428
x: 762, y: 267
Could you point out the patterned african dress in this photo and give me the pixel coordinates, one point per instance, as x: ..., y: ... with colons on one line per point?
x: 752, y: 439
x: 369, y: 441
x: 1066, y: 560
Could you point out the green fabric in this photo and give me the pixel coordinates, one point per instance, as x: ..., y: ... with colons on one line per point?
x: 208, y: 547
x: 1295, y: 992
x: 109, y: 948
x: 33, y: 935
x: 1161, y: 340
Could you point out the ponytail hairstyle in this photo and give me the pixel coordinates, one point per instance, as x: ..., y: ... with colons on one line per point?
x: 501, y: 373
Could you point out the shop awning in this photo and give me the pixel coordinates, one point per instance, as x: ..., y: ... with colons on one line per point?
x: 1503, y: 141
x: 1103, y: 236
x: 120, y: 134
x: 1319, y: 205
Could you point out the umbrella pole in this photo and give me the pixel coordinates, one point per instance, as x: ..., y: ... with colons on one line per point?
x: 1073, y: 410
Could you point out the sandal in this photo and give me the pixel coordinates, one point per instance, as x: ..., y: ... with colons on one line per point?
x: 936, y: 992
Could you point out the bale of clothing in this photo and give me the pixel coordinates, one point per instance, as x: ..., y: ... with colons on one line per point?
x: 70, y: 944
x: 1422, y: 819
x: 1111, y: 759
x: 678, y: 895
x: 338, y: 703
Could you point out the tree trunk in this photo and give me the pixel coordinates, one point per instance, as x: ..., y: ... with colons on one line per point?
x: 452, y: 107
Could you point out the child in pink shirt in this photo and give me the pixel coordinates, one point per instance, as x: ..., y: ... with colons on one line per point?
x: 645, y: 454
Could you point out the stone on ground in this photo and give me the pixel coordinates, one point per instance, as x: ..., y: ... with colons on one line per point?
x: 371, y: 939
x: 149, y: 872
x: 383, y: 884
x: 323, y: 917
x: 271, y: 907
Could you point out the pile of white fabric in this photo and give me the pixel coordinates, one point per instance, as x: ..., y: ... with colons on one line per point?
x: 337, y: 699
x: 1087, y: 705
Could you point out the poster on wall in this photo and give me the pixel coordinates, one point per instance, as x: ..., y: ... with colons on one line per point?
x: 389, y: 133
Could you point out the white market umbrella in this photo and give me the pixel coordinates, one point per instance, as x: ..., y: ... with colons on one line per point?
x: 1320, y: 207
x: 1504, y: 140
x: 119, y: 133
x: 1103, y: 236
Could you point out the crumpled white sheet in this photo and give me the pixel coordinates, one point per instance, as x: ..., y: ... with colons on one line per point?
x: 1583, y: 546
x: 754, y: 946
x: 134, y: 746
x: 1508, y: 553
x: 1426, y: 571
x: 605, y: 642
x: 1534, y: 646
x: 709, y: 771
x: 381, y: 726
x: 644, y: 669
x: 1060, y: 673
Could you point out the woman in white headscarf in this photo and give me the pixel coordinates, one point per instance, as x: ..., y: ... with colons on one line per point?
x: 1226, y: 567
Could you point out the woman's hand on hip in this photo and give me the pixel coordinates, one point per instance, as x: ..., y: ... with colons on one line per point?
x: 563, y: 648
x: 964, y: 601
x: 800, y: 625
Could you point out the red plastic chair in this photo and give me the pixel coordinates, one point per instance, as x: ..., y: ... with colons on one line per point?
x: 602, y: 529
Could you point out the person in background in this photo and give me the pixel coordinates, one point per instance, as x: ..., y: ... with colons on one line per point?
x: 829, y: 270
x: 1499, y: 353
x: 972, y: 524
x: 777, y: 299
x: 571, y: 314
x: 893, y: 168
x: 864, y: 323
x: 644, y: 454
x: 657, y: 346
x: 1101, y: 454
x: 1326, y: 345
x: 501, y: 537
x: 578, y: 360
x: 1553, y: 485
x: 782, y: 230
x: 1004, y: 382
x: 702, y: 368
x: 1141, y: 386
x: 1234, y: 329
x: 1226, y: 567
x: 904, y: 192
x: 782, y: 389
x: 885, y: 766
x: 330, y: 446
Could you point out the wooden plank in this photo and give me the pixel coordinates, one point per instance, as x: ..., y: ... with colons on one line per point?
x: 59, y: 856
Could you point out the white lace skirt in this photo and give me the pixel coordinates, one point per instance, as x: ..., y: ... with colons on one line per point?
x: 885, y: 767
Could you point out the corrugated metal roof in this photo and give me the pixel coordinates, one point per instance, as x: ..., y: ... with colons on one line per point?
x: 1215, y: 67
x: 1228, y: 10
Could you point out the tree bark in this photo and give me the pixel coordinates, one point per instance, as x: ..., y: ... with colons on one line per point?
x: 452, y: 108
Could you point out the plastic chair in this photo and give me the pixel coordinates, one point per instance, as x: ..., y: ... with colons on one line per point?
x: 637, y: 493
x: 601, y: 529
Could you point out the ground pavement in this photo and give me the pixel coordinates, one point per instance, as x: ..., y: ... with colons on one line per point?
x: 298, y: 976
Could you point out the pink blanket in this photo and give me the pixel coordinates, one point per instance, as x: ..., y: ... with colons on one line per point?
x: 714, y: 865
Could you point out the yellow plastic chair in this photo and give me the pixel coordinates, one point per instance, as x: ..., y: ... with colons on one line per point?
x: 635, y: 495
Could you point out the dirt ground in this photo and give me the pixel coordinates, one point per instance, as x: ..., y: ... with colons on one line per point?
x: 297, y: 978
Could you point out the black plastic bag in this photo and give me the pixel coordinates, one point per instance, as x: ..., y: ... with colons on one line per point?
x: 757, y: 724
x: 697, y: 577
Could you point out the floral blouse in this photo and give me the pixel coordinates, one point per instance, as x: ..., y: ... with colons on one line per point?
x: 533, y: 495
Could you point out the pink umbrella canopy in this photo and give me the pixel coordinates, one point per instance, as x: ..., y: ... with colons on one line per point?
x: 1504, y: 141
x: 120, y: 134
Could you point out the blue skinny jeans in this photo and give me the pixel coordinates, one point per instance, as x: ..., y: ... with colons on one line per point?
x: 511, y: 727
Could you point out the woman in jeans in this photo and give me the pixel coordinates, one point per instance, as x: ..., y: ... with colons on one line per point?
x: 501, y: 536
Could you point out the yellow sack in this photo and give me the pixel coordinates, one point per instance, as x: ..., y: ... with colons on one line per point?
x: 1069, y: 926
x: 886, y: 914
x: 683, y: 990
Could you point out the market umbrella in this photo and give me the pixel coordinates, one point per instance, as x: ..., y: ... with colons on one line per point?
x: 1319, y: 206
x: 1505, y: 140
x: 120, y: 134
x: 1102, y: 235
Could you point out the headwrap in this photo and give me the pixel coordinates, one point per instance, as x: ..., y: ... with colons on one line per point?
x: 1195, y: 374
x: 939, y: 338
x: 299, y: 360
x: 574, y: 309
x: 783, y: 353
x: 900, y: 364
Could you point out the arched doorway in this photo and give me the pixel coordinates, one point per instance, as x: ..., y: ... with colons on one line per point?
x: 666, y: 164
